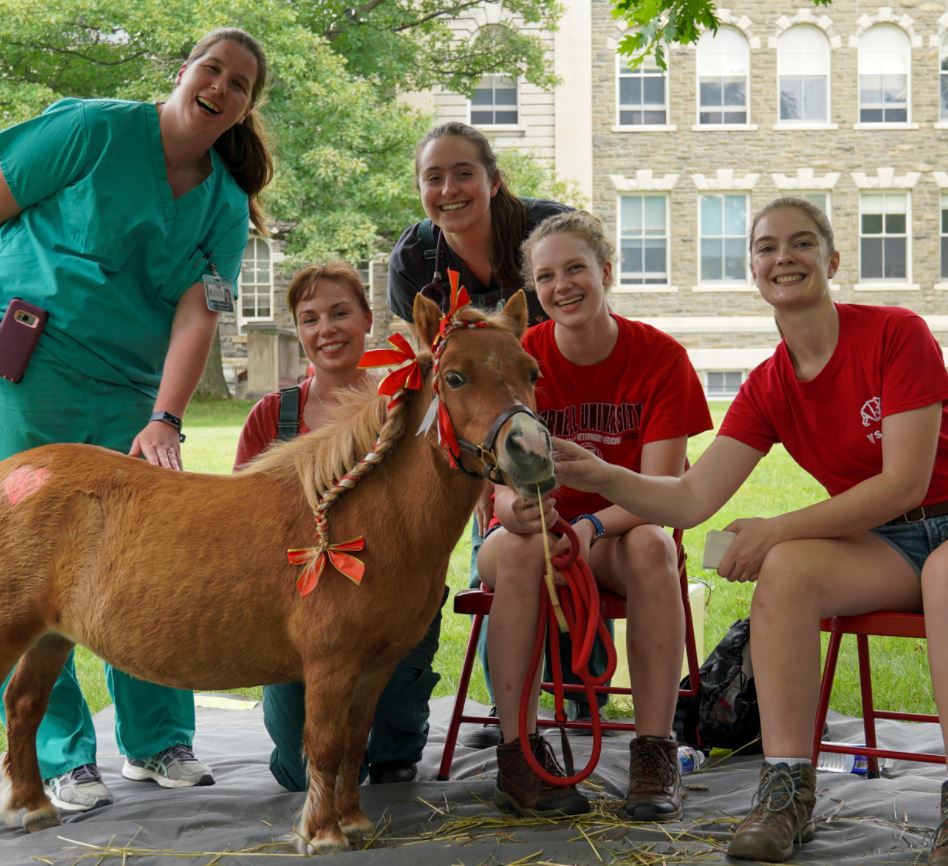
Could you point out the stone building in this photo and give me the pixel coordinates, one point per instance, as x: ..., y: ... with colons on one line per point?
x: 845, y: 104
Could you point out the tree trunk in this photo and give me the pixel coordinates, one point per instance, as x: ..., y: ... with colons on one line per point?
x: 213, y: 386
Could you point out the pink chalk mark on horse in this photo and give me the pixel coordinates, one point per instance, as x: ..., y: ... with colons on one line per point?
x: 24, y: 482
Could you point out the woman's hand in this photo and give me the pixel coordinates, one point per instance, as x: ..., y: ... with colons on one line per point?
x: 159, y: 444
x: 578, y: 468
x: 755, y: 537
x: 522, y: 515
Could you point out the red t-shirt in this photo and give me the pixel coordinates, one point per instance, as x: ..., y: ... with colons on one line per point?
x: 260, y: 429
x: 645, y: 391
x: 885, y: 362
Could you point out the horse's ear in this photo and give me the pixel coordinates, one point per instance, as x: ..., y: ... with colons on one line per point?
x: 515, y: 312
x: 427, y: 316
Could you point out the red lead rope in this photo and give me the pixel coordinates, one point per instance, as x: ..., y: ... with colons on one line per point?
x: 579, y: 599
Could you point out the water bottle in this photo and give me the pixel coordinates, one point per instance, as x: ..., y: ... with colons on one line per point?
x: 837, y: 762
x: 689, y: 759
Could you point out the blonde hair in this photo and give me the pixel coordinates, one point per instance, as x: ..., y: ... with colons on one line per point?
x: 580, y: 224
x: 304, y: 283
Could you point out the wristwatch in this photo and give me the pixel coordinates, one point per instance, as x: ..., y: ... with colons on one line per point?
x: 172, y: 420
x: 597, y: 525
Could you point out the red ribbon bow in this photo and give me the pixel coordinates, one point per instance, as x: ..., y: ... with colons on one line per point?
x: 408, y: 376
x: 314, y: 561
x: 459, y: 298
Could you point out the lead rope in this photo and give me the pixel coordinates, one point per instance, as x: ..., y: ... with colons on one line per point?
x: 574, y: 608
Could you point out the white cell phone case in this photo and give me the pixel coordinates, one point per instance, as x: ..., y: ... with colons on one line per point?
x: 715, y: 546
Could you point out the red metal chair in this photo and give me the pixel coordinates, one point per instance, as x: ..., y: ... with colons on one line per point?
x: 477, y: 602
x: 882, y: 623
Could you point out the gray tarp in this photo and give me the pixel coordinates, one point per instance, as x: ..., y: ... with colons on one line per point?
x: 860, y: 821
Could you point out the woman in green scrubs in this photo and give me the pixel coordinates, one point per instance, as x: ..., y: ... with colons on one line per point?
x: 112, y: 214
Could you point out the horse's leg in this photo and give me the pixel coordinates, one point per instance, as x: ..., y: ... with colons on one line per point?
x: 26, y: 700
x: 329, y: 691
x: 352, y: 820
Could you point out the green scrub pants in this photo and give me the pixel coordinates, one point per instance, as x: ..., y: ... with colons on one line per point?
x: 56, y: 404
x: 399, y: 729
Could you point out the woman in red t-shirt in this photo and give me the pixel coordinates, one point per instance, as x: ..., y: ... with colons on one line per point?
x: 627, y: 392
x: 857, y: 396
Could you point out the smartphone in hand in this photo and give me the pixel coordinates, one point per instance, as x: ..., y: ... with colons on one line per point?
x: 20, y: 331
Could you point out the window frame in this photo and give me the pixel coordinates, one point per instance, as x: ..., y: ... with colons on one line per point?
x: 943, y: 235
x: 747, y: 81
x: 943, y: 81
x: 726, y: 283
x: 906, y: 196
x: 243, y: 288
x: 641, y: 71
x: 725, y: 393
x: 621, y: 285
x: 907, y: 53
x: 493, y: 106
x: 827, y: 75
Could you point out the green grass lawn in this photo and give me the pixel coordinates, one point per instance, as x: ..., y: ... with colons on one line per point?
x: 777, y: 485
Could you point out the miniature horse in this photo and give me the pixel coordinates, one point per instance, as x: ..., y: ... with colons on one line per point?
x: 95, y: 548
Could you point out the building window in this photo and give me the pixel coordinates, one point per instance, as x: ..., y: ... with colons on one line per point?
x: 803, y: 67
x: 723, y: 383
x: 642, y: 94
x: 643, y: 240
x: 256, y: 281
x: 884, y: 63
x: 944, y: 236
x: 723, y: 69
x: 494, y: 102
x: 943, y: 77
x: 883, y: 239
x: 724, y: 238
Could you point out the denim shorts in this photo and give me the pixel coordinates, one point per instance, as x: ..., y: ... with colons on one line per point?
x: 917, y: 540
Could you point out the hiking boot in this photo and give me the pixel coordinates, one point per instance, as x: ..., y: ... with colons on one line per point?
x: 79, y: 790
x: 487, y: 736
x: 782, y: 816
x: 939, y: 852
x: 175, y: 767
x: 654, y: 780
x: 393, y: 771
x: 520, y: 790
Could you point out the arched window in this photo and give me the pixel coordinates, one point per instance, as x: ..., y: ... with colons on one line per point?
x: 803, y: 70
x: 943, y: 66
x: 884, y: 67
x: 723, y: 77
x: 256, y: 280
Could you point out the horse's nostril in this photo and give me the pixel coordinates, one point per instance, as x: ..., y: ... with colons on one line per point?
x: 514, y: 444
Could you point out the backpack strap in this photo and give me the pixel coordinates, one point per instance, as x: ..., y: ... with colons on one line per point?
x: 429, y: 246
x: 288, y: 424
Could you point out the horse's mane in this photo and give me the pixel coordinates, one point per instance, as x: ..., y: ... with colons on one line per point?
x: 356, y: 423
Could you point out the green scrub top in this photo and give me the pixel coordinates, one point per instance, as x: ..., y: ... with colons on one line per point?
x: 101, y: 243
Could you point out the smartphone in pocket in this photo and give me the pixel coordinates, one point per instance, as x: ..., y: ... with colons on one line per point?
x: 20, y: 331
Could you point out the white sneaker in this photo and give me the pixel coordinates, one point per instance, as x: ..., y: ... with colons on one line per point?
x: 79, y: 790
x: 175, y: 767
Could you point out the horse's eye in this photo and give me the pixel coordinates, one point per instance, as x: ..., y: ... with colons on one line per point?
x: 534, y: 375
x: 454, y: 379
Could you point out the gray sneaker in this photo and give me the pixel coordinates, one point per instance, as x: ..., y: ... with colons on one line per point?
x: 175, y: 767
x: 79, y: 790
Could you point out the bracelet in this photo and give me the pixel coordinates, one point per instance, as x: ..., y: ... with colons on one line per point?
x: 600, y: 530
x: 171, y: 420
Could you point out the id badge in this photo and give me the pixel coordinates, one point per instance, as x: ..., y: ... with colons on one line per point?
x: 219, y: 293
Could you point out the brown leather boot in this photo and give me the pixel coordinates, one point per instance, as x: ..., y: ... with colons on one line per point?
x: 782, y: 816
x: 939, y: 852
x: 654, y: 780
x: 520, y: 790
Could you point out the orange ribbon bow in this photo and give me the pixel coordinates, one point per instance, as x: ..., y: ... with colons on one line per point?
x: 314, y: 560
x: 459, y: 298
x: 408, y: 376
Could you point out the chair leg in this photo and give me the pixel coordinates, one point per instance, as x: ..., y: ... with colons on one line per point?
x: 454, y: 727
x: 826, y: 689
x: 868, y: 707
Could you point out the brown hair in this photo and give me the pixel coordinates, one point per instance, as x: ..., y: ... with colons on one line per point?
x: 508, y: 215
x: 304, y: 282
x: 811, y: 211
x: 579, y: 223
x: 244, y: 147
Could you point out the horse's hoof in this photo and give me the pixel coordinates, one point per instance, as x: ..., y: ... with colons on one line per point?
x: 356, y: 824
x: 326, y: 842
x: 41, y: 819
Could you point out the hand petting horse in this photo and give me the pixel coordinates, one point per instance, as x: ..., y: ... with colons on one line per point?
x: 96, y: 546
